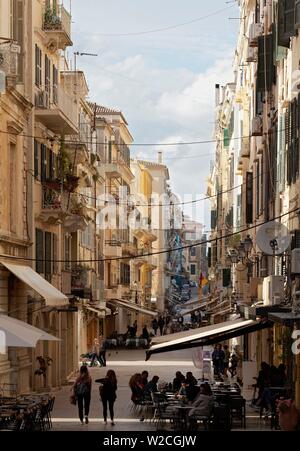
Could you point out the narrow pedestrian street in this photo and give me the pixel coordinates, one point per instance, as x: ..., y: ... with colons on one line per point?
x: 126, y: 363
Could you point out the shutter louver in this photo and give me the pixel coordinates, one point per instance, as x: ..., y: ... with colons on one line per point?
x: 36, y: 159
x: 39, y: 251
x: 48, y: 254
x: 249, y: 198
x: 297, y: 14
x: 265, y: 67
x: 43, y: 163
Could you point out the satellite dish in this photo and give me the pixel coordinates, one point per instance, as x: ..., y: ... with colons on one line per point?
x: 273, y: 238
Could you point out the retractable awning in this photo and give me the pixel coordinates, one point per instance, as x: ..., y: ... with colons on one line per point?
x: 16, y: 333
x: 205, y: 336
x: 52, y: 296
x: 101, y: 311
x: 131, y: 306
x: 188, y: 312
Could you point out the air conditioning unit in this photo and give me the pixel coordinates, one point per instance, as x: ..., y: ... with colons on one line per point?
x: 295, y: 264
x: 273, y: 290
x: 257, y: 126
x: 9, y: 59
x: 252, y: 55
x: 256, y: 30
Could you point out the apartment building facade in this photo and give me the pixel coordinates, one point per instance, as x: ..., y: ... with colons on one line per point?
x: 262, y: 103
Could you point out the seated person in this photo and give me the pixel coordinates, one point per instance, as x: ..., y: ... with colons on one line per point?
x: 137, y: 388
x: 151, y: 387
x: 190, y: 378
x: 203, y: 404
x: 178, y: 380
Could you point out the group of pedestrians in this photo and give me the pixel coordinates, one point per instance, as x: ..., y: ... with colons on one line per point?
x: 224, y: 361
x: 99, y: 351
x: 82, y: 390
x: 162, y: 323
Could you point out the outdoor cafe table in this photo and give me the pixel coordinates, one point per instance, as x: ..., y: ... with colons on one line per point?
x: 183, y: 411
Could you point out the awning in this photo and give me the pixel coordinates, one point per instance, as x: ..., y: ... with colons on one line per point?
x: 101, y: 311
x: 17, y: 333
x: 188, y: 312
x: 131, y: 306
x: 205, y: 336
x: 285, y: 318
x: 52, y: 296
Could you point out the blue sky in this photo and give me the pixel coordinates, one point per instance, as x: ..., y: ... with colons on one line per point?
x: 164, y: 81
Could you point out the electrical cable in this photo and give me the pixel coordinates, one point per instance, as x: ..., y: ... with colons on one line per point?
x: 161, y: 252
x: 170, y: 27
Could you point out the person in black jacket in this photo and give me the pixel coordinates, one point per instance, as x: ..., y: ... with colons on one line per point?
x: 108, y: 394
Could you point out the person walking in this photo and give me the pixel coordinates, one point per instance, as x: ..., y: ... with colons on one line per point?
x: 82, y: 392
x: 226, y: 359
x: 161, y: 325
x: 155, y: 326
x: 102, y: 351
x: 218, y: 359
x: 95, y: 352
x: 145, y: 333
x: 107, y: 390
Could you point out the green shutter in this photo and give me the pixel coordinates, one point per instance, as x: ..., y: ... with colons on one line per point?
x: 36, y: 159
x: 39, y: 251
x: 286, y: 21
x: 249, y: 198
x: 297, y: 14
x: 48, y: 254
x: 265, y: 67
x: 43, y: 163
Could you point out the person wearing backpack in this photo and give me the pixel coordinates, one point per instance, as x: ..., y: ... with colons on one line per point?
x: 82, y: 391
x: 107, y: 390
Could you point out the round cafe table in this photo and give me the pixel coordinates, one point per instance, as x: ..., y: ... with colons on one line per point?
x: 183, y: 411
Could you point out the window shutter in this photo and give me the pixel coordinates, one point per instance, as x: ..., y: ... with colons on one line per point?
x: 20, y: 38
x: 39, y: 251
x: 249, y: 198
x: 265, y: 67
x: 209, y: 257
x: 286, y: 19
x: 48, y: 254
x: 54, y: 253
x: 43, y: 163
x: 297, y: 14
x: 213, y: 221
x: 226, y: 277
x: 36, y: 159
x: 257, y: 187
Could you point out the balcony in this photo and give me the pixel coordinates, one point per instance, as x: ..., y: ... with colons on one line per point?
x: 113, y: 248
x: 57, y: 27
x: 59, y: 115
x: 63, y: 208
x: 129, y: 249
x: 116, y: 169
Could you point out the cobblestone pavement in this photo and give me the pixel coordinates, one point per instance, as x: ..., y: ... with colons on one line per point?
x: 126, y: 363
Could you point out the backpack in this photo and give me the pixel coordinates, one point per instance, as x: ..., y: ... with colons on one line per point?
x: 82, y: 389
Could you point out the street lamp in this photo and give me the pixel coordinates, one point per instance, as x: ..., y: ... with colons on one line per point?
x: 241, y: 254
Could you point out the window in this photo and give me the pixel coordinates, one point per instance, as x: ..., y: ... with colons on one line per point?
x: 13, y: 189
x: 193, y: 270
x: 39, y: 251
x: 17, y: 31
x: 36, y: 159
x: 38, y: 66
x: 67, y: 252
x: 292, y: 140
x: 249, y: 198
x: 288, y: 14
x: 193, y: 252
x: 257, y: 189
x: 43, y: 163
x: 46, y: 253
x: 265, y: 67
x: 125, y: 274
x: 47, y: 78
x: 55, y: 85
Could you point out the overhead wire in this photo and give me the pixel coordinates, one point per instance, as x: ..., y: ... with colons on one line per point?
x: 159, y: 252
